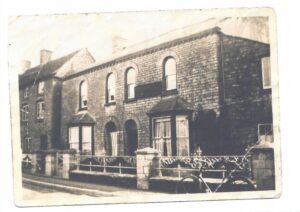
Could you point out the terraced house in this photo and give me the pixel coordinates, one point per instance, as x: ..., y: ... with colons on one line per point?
x: 180, y: 94
x: 204, y: 90
x: 40, y: 98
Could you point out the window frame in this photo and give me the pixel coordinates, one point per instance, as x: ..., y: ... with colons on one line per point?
x: 40, y: 90
x: 165, y: 76
x: 127, y: 88
x: 81, y: 105
x: 108, y: 89
x: 27, y: 144
x: 265, y: 87
x: 26, y: 92
x: 259, y: 134
x: 25, y: 115
x: 173, y: 132
x: 38, y: 115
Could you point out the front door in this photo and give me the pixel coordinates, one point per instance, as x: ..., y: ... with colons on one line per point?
x: 114, y: 143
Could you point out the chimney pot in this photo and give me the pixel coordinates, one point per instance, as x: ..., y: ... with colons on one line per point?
x: 45, y: 56
x: 24, y: 65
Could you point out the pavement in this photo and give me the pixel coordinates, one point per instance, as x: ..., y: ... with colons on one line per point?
x: 51, y: 184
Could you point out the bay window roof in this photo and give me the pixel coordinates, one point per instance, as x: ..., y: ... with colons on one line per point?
x: 171, y: 104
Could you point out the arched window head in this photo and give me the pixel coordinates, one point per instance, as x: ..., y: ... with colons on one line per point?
x: 170, y: 74
x: 110, y: 88
x: 130, y: 83
x: 83, y: 91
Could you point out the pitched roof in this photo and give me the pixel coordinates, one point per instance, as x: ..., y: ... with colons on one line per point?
x: 45, y: 70
x: 82, y: 118
x: 150, y: 45
x: 171, y: 104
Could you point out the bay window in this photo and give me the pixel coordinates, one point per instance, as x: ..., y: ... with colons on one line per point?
x: 171, y: 137
x: 80, y: 138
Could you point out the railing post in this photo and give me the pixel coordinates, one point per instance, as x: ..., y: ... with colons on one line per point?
x: 78, y: 162
x: 144, y: 165
x: 104, y: 164
x: 90, y: 166
x: 120, y: 169
x: 179, y: 170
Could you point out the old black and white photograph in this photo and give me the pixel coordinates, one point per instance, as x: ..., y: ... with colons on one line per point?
x: 128, y: 107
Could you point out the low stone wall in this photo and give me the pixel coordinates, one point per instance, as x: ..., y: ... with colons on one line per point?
x: 263, y: 170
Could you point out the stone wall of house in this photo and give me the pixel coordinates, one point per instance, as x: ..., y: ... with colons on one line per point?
x: 245, y: 102
x: 197, y: 83
x: 35, y: 128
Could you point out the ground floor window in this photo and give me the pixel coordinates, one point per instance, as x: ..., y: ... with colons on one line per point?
x: 80, y: 138
x: 26, y: 144
x: 162, y: 135
x: 265, y: 133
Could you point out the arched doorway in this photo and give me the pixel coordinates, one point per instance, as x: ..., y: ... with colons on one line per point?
x: 111, y: 144
x: 132, y: 137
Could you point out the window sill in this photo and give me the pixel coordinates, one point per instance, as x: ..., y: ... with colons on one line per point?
x: 169, y: 92
x: 82, y: 109
x: 39, y: 120
x: 129, y: 100
x: 109, y: 104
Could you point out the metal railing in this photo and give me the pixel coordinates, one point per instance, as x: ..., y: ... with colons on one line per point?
x: 212, y: 166
x: 105, y: 164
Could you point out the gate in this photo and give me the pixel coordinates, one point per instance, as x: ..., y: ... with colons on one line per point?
x: 40, y: 163
x: 59, y: 160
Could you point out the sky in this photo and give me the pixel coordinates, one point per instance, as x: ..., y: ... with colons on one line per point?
x: 63, y: 34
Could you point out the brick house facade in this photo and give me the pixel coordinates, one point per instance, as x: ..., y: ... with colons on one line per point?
x: 203, y: 90
x: 40, y: 99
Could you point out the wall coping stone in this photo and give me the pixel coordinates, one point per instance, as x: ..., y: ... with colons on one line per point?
x: 146, y: 151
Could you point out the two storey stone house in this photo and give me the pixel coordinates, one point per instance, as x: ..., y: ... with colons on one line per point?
x: 40, y: 98
x: 205, y: 91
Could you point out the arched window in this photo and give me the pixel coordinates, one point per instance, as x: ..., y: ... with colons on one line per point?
x: 170, y: 74
x: 130, y: 83
x: 110, y: 89
x: 83, y: 95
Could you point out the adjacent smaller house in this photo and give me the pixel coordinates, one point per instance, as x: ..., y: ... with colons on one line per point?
x: 40, y: 98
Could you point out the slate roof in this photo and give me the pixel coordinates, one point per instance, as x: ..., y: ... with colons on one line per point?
x: 82, y: 118
x: 171, y: 104
x: 44, y: 71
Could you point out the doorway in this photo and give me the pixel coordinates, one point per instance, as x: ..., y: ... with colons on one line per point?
x: 132, y: 137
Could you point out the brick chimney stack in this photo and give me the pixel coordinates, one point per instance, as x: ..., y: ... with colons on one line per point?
x: 45, y: 56
x: 118, y: 44
x: 24, y: 65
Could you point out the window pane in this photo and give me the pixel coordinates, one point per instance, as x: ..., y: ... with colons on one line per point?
x: 41, y: 87
x: 111, y: 88
x: 131, y: 89
x: 74, y: 138
x: 266, y: 72
x: 83, y: 94
x: 171, y: 82
x: 131, y: 76
x: 87, y: 138
x: 162, y: 136
x: 182, y: 135
x: 170, y: 67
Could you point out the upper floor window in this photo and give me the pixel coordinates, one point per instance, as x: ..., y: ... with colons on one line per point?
x: 26, y: 92
x: 24, y: 112
x: 41, y: 87
x: 170, y: 74
x: 266, y: 72
x: 83, y: 91
x: 265, y: 133
x: 130, y: 83
x: 110, y: 89
x: 40, y: 109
